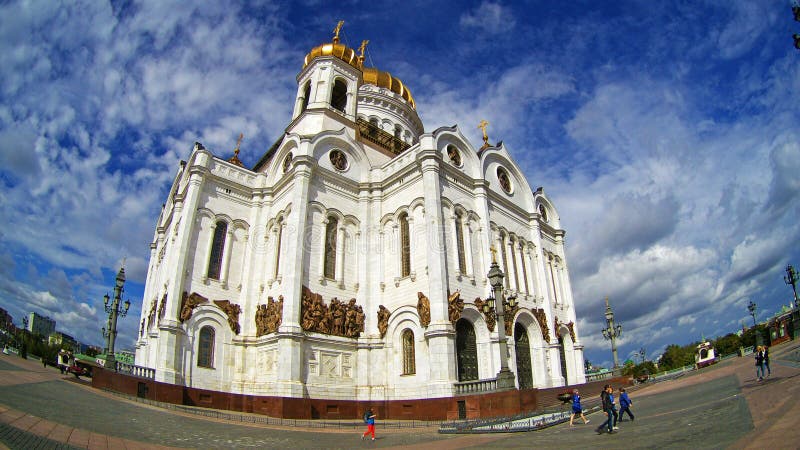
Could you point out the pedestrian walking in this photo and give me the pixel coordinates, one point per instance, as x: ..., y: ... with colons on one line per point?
x: 614, y: 412
x: 766, y: 362
x: 607, y: 408
x: 759, y: 363
x: 576, y: 408
x: 369, y: 419
x: 624, y: 404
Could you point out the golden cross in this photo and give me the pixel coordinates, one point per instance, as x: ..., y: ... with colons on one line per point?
x: 238, y: 142
x: 336, y: 31
x: 494, y: 253
x: 483, y: 126
x: 363, y: 47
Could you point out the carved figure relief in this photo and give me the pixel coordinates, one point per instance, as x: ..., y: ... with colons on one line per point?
x: 141, y: 329
x: 189, y: 303
x: 541, y: 317
x: 503, y: 178
x: 338, y: 160
x: 338, y: 319
x: 424, y: 310
x: 232, y: 310
x: 287, y: 162
x: 489, y: 317
x: 383, y: 319
x: 454, y: 306
x: 454, y: 156
x: 269, y: 316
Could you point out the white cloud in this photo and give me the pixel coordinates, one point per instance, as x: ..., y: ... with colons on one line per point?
x: 489, y: 17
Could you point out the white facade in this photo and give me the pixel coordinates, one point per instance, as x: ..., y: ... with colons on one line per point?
x: 440, y: 194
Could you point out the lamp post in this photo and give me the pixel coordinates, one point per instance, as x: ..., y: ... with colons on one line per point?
x: 505, y: 378
x: 791, y: 278
x: 612, y: 332
x: 114, y: 311
x: 752, y: 308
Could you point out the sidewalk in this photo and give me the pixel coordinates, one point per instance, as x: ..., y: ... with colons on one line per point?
x: 717, y: 407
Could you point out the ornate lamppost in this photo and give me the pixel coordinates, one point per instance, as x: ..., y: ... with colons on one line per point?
x: 505, y: 378
x: 114, y: 311
x: 752, y: 308
x: 612, y: 332
x: 791, y: 278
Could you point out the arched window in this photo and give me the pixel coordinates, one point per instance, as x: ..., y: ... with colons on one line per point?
x: 330, y: 247
x: 205, y: 348
x: 278, y: 237
x: 306, y: 94
x: 405, y: 247
x: 462, y: 260
x: 409, y: 363
x: 339, y: 95
x: 217, y: 248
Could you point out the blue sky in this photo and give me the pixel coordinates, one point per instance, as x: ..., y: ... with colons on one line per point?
x: 666, y: 133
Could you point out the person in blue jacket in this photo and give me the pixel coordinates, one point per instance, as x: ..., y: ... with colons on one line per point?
x: 613, y: 407
x: 576, y: 407
x: 624, y: 404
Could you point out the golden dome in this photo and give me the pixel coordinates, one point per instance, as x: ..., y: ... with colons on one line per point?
x: 336, y: 49
x: 386, y: 80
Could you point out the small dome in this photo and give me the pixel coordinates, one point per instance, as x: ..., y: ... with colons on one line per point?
x: 386, y: 80
x: 336, y: 49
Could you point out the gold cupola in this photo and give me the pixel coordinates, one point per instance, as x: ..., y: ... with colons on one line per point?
x: 371, y: 74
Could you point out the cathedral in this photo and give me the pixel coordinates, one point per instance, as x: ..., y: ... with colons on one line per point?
x: 350, y: 262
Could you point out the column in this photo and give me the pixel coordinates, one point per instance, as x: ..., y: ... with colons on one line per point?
x: 513, y: 266
x: 209, y: 246
x: 454, y: 246
x: 524, y: 268
x: 468, y: 248
x: 322, y: 243
x: 226, y: 256
x: 340, y: 243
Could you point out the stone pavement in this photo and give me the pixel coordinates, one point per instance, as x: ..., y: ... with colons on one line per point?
x: 722, y: 406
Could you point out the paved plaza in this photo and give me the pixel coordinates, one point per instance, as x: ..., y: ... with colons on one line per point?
x: 723, y: 406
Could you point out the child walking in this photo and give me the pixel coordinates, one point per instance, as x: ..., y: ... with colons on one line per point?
x: 624, y: 404
x: 369, y: 419
x: 576, y: 407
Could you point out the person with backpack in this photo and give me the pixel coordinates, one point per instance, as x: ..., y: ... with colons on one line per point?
x: 759, y: 363
x: 624, y: 405
x: 369, y: 419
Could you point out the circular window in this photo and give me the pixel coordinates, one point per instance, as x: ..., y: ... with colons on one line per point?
x: 504, y: 179
x: 454, y: 155
x: 287, y: 163
x: 339, y: 160
x: 543, y: 212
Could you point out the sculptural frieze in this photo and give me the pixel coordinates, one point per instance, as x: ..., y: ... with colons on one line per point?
x: 424, y: 310
x: 162, y: 308
x: 489, y: 317
x: 338, y: 318
x: 151, y: 316
x: 189, y: 303
x: 541, y: 317
x: 455, y: 305
x: 508, y: 318
x: 269, y: 316
x: 383, y: 319
x: 232, y: 310
x: 570, y: 327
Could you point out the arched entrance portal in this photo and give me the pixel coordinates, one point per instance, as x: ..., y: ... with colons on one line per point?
x: 523, y: 350
x: 466, y: 351
x: 563, y: 357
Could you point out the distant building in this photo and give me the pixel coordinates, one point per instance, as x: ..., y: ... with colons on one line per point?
x: 39, y: 324
x: 62, y: 340
x: 6, y: 320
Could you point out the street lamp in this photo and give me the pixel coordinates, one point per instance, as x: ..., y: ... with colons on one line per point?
x: 505, y: 378
x: 752, y: 308
x: 642, y: 354
x: 612, y: 332
x: 791, y: 278
x: 114, y: 311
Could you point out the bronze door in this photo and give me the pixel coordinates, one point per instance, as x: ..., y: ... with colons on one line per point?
x: 466, y: 351
x: 523, y: 350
